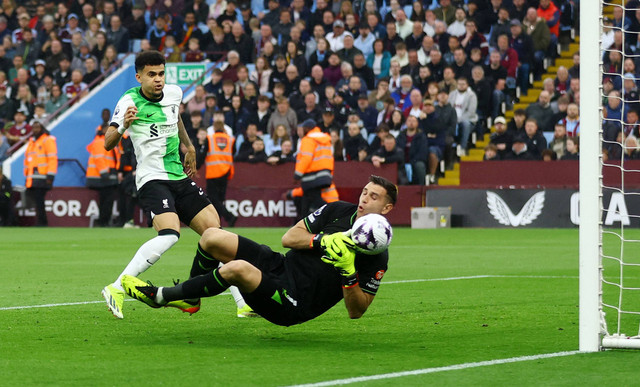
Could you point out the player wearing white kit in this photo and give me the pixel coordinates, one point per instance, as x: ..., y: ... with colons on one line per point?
x: 150, y: 113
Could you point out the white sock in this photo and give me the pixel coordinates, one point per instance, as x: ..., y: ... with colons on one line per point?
x: 148, y: 254
x: 159, y: 299
x: 237, y: 297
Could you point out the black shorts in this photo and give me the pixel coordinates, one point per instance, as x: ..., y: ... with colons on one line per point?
x: 273, y: 300
x: 183, y: 197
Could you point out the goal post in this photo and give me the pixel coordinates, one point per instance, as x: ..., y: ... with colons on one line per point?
x: 590, y: 241
x: 609, y: 263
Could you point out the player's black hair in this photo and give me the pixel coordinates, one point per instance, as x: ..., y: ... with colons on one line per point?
x: 149, y: 58
x: 392, y: 189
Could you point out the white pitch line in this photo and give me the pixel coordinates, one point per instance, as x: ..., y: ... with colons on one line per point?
x: 386, y: 282
x: 437, y: 369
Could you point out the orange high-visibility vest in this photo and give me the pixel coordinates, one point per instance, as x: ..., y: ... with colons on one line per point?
x: 314, y: 160
x: 329, y: 194
x: 219, y: 160
x: 126, y: 168
x: 547, y: 14
x: 100, y: 160
x: 41, y: 159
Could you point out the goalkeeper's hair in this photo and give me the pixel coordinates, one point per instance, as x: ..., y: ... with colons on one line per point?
x: 392, y: 189
x: 149, y: 58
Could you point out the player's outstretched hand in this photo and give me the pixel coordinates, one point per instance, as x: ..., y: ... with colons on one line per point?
x: 339, y: 252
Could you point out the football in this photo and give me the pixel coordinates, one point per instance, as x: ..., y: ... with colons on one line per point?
x: 371, y: 234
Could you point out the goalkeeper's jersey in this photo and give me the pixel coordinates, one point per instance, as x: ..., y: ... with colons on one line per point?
x: 154, y: 134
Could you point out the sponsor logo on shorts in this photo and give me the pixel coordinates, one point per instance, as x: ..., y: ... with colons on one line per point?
x: 379, y: 274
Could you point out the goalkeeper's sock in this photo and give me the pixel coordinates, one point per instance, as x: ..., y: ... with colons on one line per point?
x: 203, y: 263
x: 149, y: 253
x: 206, y: 285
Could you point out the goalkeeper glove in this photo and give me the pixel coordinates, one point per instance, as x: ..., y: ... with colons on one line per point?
x: 339, y: 252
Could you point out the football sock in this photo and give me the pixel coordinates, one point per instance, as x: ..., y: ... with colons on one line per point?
x: 149, y: 253
x: 205, y: 285
x: 237, y: 297
x: 203, y: 263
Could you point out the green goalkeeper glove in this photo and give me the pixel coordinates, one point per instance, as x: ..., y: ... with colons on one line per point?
x: 339, y: 252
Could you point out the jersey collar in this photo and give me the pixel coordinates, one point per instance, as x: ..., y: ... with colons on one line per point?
x: 150, y: 99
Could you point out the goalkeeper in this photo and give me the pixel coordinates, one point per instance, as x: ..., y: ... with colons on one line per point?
x: 319, y: 270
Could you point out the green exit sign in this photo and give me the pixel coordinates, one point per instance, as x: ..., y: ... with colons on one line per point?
x: 183, y: 74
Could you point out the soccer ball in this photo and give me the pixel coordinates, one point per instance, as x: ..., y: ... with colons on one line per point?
x: 371, y: 234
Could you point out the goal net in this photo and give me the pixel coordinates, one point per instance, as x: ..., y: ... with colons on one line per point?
x: 610, y: 177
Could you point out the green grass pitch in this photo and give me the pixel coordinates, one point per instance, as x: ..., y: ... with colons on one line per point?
x: 451, y: 297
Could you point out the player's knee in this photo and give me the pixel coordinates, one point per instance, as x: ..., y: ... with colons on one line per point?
x: 210, y: 238
x: 236, y: 271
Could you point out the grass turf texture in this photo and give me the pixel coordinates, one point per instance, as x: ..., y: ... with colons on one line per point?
x: 437, y: 322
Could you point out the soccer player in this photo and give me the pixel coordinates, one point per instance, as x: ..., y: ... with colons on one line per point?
x: 319, y: 270
x: 151, y: 114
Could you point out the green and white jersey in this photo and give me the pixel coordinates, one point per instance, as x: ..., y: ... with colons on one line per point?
x: 154, y: 134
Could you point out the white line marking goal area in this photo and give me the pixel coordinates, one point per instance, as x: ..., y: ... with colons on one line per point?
x: 455, y: 367
x: 384, y: 283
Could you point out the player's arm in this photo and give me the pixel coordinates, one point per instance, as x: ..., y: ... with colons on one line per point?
x: 190, y: 166
x: 356, y: 300
x: 115, y: 131
x: 298, y: 237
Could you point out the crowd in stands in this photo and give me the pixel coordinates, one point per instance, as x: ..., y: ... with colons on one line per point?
x: 392, y: 81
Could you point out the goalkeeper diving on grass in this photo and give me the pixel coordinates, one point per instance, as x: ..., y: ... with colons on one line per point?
x: 322, y: 266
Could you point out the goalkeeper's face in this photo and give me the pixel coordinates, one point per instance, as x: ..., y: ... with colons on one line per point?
x: 373, y: 200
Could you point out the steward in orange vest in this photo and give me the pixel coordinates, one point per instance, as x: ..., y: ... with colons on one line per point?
x: 219, y: 169
x: 314, y: 166
x: 127, y: 177
x: 40, y: 168
x: 102, y: 174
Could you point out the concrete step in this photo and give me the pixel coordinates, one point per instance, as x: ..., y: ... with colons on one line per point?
x: 452, y: 174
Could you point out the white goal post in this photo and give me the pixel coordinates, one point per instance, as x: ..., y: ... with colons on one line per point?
x: 609, y: 257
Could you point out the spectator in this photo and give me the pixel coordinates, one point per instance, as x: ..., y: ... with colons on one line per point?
x: 6, y: 107
x: 353, y: 142
x: 39, y: 114
x: 572, y: 120
x: 537, y: 28
x: 293, y: 56
x: 310, y: 109
x: 461, y: 66
x: 501, y: 138
x: 91, y: 73
x: 573, y: 149
x: 75, y: 88
x: 261, y: 75
x: 425, y: 50
x: 396, y: 122
x: 157, y: 33
x: 446, y: 12
x: 118, y: 35
x: 246, y: 147
x: 57, y: 100
x: 283, y: 115
x: 414, y: 40
x: 465, y: 102
x: 413, y: 66
x: 436, y: 65
x: 328, y: 123
x: 24, y: 101
x: 367, y: 113
x: 536, y: 142
x: 363, y: 71
x: 574, y: 71
x: 210, y: 103
x: 98, y: 50
x: 228, y: 91
x: 449, y: 121
x: 473, y: 39
x: 402, y: 95
x: 394, y: 76
x: 422, y: 81
x: 415, y: 146
x: 336, y: 37
x: 519, y: 149
x: 28, y: 48
x: 516, y: 125
x: 197, y: 102
x: 559, y: 142
x: 448, y: 81
x: 436, y: 138
x: 108, y: 60
x: 523, y: 45
x: 239, y: 43
x: 403, y: 25
x: 274, y: 143
x: 501, y: 25
x: 457, y: 28
x: 391, y: 39
x: 231, y: 71
x: 378, y: 97
x: 389, y: 153
x: 283, y: 155
x: 364, y: 41
x: 415, y: 108
x: 401, y: 55
x: 333, y: 73
x: 490, y: 153
x: 171, y: 51
x: 337, y: 145
x: 508, y: 60
x: 237, y: 116
x: 632, y: 124
x: 482, y: 87
x: 291, y: 81
x: 541, y: 111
